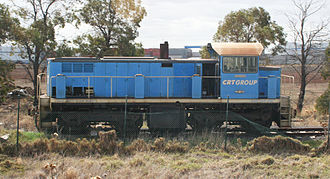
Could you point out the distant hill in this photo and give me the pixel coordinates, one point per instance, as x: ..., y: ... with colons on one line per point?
x: 6, y: 53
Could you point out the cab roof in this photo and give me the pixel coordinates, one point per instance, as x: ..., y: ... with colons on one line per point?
x: 237, y: 49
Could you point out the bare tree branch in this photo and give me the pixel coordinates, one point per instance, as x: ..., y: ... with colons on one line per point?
x: 307, y: 38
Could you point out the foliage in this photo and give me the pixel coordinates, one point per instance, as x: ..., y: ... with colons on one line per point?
x: 322, y: 102
x: 205, y: 54
x: 34, y: 33
x: 326, y: 68
x: 6, y: 83
x: 115, y: 26
x: 6, y: 23
x: 63, y: 50
x: 251, y: 25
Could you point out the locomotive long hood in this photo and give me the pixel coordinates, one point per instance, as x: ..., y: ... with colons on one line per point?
x: 238, y: 49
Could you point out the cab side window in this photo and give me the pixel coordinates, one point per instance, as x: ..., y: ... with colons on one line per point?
x: 240, y: 64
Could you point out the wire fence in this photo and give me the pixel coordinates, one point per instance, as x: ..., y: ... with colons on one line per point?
x: 132, y: 124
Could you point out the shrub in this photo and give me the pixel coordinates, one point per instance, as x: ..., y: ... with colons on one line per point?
x: 277, y: 144
x: 107, y: 143
x: 175, y: 146
x: 138, y: 145
x: 322, y: 102
x: 159, y: 144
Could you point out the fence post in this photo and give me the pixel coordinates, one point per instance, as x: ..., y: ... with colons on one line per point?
x: 17, y: 131
x: 125, y: 118
x: 226, y: 123
x: 167, y: 86
x: 328, y: 127
x: 88, y: 88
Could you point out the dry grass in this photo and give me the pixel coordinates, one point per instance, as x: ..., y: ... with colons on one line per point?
x: 309, y: 116
x: 264, y: 157
x: 277, y: 145
x: 177, y: 165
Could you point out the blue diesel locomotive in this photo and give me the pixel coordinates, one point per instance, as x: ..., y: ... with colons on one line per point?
x: 169, y: 94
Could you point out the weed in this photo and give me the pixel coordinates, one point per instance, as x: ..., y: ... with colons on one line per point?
x: 184, y: 166
x: 268, y: 160
x: 115, y: 164
x: 159, y: 144
x: 136, y: 162
x: 10, y: 165
x: 174, y: 146
x: 107, y: 142
x: 139, y: 145
x: 71, y: 173
x: 323, y: 148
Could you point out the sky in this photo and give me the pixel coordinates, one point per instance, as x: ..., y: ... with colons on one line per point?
x: 194, y: 22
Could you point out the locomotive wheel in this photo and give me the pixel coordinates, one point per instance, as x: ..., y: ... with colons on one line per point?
x: 163, y: 132
x: 132, y: 129
x: 204, y: 125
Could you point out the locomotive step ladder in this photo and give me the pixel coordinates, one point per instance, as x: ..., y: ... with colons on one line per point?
x: 285, y: 112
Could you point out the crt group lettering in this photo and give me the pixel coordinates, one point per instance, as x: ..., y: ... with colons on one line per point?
x: 239, y: 82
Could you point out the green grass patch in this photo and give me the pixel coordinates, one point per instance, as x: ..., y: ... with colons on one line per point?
x: 313, y: 143
x: 25, y: 136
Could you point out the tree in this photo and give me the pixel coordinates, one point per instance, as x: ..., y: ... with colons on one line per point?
x: 64, y: 50
x: 35, y: 34
x: 205, y: 54
x: 322, y: 102
x: 6, y: 23
x: 6, y: 83
x: 307, y: 42
x: 115, y: 26
x: 251, y: 25
x: 326, y: 68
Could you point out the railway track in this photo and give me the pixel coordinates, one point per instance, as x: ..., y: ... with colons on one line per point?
x: 303, y: 131
x: 295, y: 132
x: 291, y: 132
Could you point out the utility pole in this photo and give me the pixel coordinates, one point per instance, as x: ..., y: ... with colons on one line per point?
x: 226, y: 123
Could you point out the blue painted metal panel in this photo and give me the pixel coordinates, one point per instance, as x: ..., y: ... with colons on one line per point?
x: 133, y: 69
x: 239, y: 85
x: 60, y: 86
x: 182, y: 86
x: 55, y: 69
x: 145, y: 70
x: 166, y: 85
x: 263, y: 81
x: 139, y: 86
x: 121, y: 83
x: 48, y: 78
x: 196, y: 87
x: 272, y: 89
x: 154, y: 83
x: 102, y: 85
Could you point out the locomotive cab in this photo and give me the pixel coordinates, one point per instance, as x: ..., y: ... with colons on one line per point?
x: 239, y: 69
